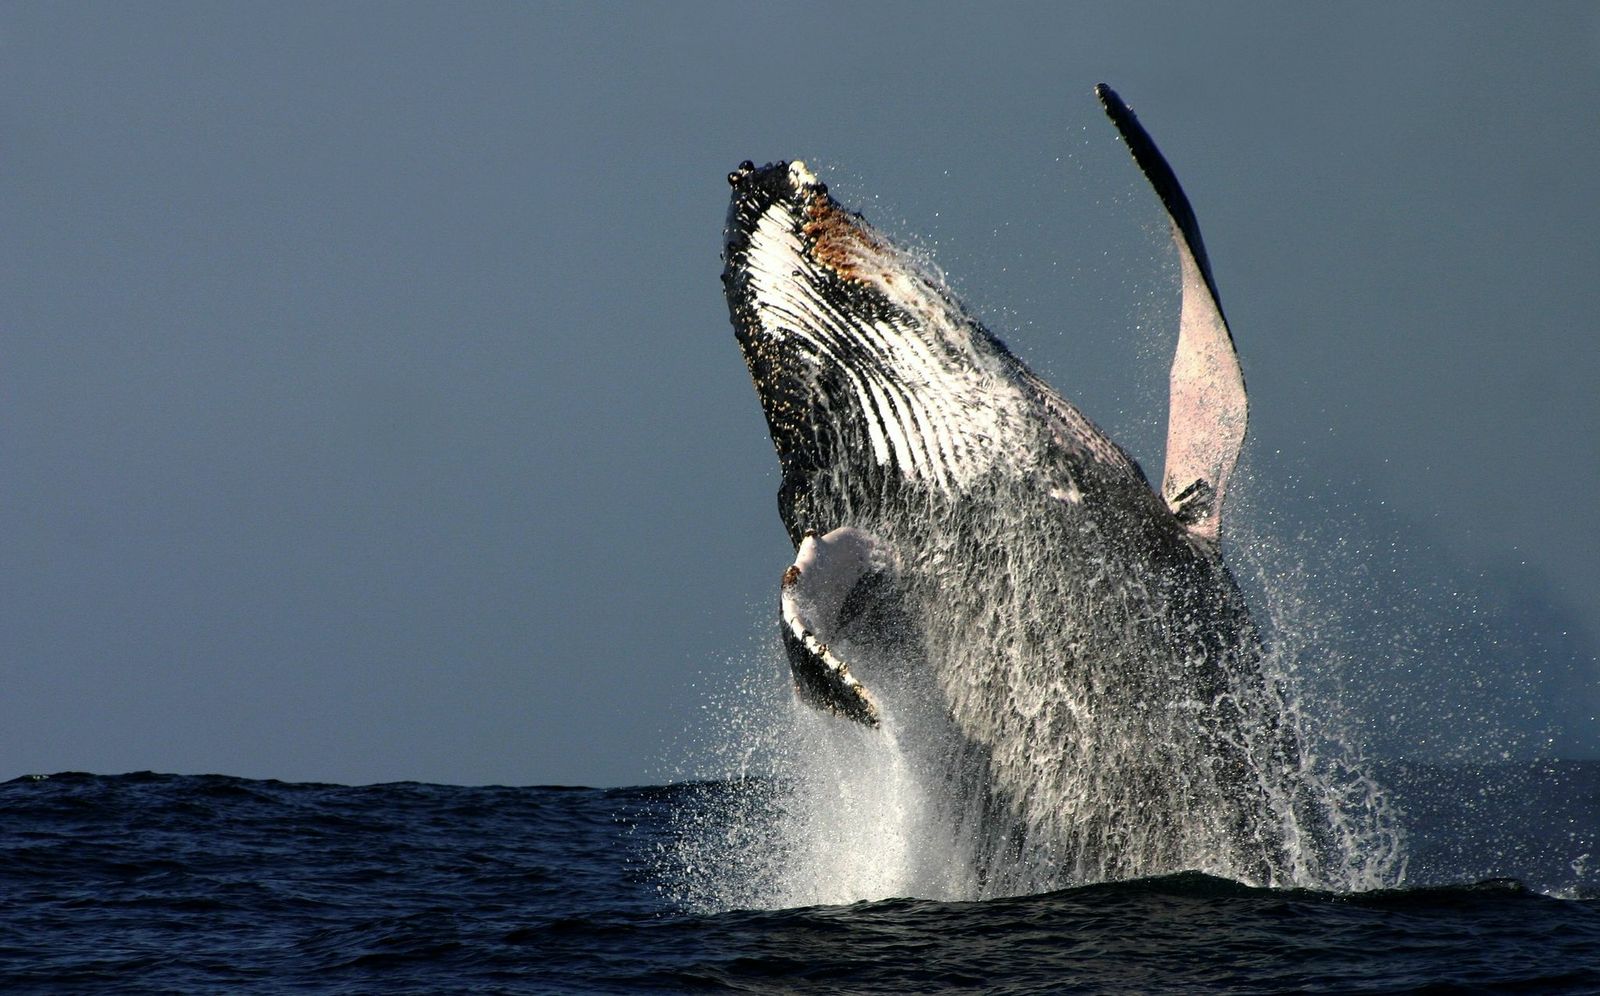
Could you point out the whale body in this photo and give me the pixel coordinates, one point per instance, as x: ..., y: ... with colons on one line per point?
x: 976, y: 557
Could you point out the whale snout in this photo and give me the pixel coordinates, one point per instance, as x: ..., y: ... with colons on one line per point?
x: 782, y: 178
x: 783, y: 188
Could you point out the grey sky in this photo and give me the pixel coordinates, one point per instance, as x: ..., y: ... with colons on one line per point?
x: 369, y: 411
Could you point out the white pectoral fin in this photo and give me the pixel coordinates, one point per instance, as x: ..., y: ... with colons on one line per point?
x: 816, y: 591
x: 821, y: 679
x: 1207, y: 411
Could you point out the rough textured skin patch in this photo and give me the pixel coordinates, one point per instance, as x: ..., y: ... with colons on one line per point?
x: 835, y: 239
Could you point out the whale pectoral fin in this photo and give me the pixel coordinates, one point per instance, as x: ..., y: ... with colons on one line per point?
x: 831, y: 588
x: 822, y: 680
x: 1207, y: 410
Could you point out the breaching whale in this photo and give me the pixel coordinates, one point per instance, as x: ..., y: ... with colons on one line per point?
x: 973, y: 553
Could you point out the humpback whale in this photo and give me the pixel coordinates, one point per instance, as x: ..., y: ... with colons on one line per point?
x: 974, y: 554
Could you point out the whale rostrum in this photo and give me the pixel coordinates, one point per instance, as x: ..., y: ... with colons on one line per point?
x: 971, y: 546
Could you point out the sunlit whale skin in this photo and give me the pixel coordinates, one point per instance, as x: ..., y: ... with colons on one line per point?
x: 1079, y: 629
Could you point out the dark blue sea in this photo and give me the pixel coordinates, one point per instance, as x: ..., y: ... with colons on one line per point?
x: 151, y: 883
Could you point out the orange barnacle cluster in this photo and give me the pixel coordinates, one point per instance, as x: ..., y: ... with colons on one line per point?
x: 835, y: 239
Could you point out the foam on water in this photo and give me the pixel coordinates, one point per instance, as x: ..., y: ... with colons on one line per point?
x: 824, y: 812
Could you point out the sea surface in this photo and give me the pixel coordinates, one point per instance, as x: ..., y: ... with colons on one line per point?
x: 145, y: 883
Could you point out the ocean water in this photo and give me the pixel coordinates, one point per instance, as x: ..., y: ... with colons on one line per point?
x: 144, y: 883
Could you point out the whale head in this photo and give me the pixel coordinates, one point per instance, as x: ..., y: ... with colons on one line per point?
x: 861, y: 355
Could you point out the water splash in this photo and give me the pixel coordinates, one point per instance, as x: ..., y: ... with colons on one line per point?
x: 823, y: 811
